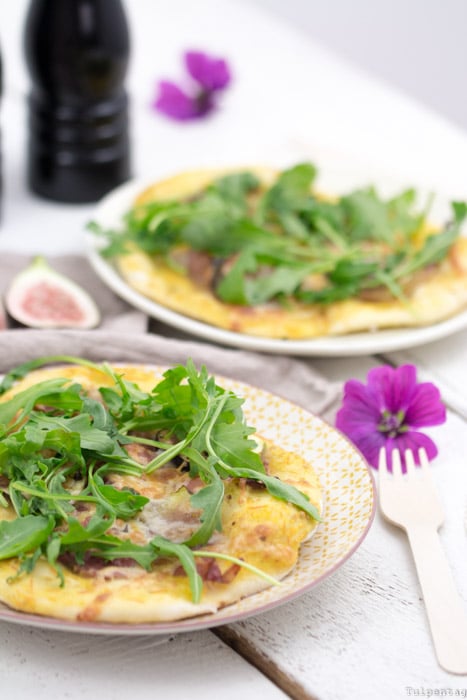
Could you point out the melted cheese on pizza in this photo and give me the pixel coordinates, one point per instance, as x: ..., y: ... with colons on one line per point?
x: 436, y: 293
x: 256, y: 527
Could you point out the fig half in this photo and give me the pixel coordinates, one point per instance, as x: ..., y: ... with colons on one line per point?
x: 41, y: 297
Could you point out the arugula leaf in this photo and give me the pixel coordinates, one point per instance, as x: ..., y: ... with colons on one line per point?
x: 237, y: 287
x: 57, y: 457
x: 366, y: 216
x: 23, y: 535
x: 22, y: 370
x: 228, y: 443
x: 436, y: 246
x: 109, y: 547
x: 347, y: 271
x: 90, y: 437
x: 460, y: 212
x: 236, y: 186
x: 233, y: 286
x: 240, y: 562
x: 208, y: 499
x: 25, y: 400
x: 277, y: 488
x: 185, y: 555
x: 123, y: 503
x: 274, y: 240
x: 291, y: 191
x: 77, y: 533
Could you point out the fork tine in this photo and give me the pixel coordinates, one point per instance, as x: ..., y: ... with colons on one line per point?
x: 382, y: 464
x: 396, y: 463
x: 409, y: 463
x: 425, y: 470
x: 424, y: 463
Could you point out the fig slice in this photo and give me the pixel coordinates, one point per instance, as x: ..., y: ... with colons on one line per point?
x: 3, y: 321
x: 41, y: 297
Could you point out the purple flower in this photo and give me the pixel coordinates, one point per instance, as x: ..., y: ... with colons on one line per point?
x: 175, y: 103
x: 209, y: 75
x: 388, y: 411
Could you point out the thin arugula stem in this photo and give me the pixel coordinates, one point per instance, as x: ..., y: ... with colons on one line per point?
x: 60, y: 468
x: 210, y: 427
x: 179, y: 446
x: 227, y: 557
x: 123, y: 468
x: 18, y: 486
x: 151, y: 443
x: 166, y: 456
x: 92, y: 485
x: 33, y: 474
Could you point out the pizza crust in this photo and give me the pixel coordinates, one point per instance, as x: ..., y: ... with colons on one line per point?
x: 256, y: 527
x: 441, y: 295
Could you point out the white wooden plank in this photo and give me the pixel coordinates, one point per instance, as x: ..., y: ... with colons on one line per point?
x: 363, y: 633
x: 44, y: 665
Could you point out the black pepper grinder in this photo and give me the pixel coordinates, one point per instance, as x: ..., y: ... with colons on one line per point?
x: 77, y: 54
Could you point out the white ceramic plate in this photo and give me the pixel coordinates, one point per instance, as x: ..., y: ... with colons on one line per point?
x: 109, y: 214
x: 349, y: 505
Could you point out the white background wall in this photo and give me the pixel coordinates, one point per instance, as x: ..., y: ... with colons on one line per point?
x: 418, y: 45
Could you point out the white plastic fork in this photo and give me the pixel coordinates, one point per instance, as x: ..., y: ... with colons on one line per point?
x: 410, y: 502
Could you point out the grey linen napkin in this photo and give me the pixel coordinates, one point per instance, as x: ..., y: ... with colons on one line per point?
x: 290, y: 378
x: 121, y: 337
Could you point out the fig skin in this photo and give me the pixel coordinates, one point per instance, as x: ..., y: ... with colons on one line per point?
x: 4, y: 321
x: 41, y: 297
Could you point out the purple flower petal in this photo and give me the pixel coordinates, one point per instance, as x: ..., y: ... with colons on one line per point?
x: 382, y: 413
x: 356, y: 392
x: 358, y: 400
x: 360, y: 414
x: 211, y: 73
x: 354, y: 423
x: 426, y: 407
x: 174, y: 103
x: 370, y: 444
x: 392, y: 388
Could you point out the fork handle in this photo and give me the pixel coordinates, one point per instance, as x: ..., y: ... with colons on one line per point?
x: 444, y: 606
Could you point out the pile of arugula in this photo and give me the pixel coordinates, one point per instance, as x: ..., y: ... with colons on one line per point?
x: 54, y: 431
x: 276, y: 239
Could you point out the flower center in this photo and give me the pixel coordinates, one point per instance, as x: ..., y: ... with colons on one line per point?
x: 204, y: 101
x: 392, y: 423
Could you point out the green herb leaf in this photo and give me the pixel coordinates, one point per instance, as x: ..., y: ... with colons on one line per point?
x: 23, y: 535
x: 185, y: 555
x: 26, y: 399
x: 124, y: 503
x: 271, y: 242
x: 208, y: 499
x: 291, y: 191
x: 61, y: 443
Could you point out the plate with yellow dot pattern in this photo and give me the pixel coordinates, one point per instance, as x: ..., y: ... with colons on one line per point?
x: 348, y: 509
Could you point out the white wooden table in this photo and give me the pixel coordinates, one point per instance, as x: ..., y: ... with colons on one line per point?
x: 363, y: 633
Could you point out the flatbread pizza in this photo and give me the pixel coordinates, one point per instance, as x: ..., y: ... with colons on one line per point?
x: 263, y: 253
x: 130, y: 497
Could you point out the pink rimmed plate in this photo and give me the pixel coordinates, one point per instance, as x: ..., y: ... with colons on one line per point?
x: 111, y: 209
x: 349, y: 506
